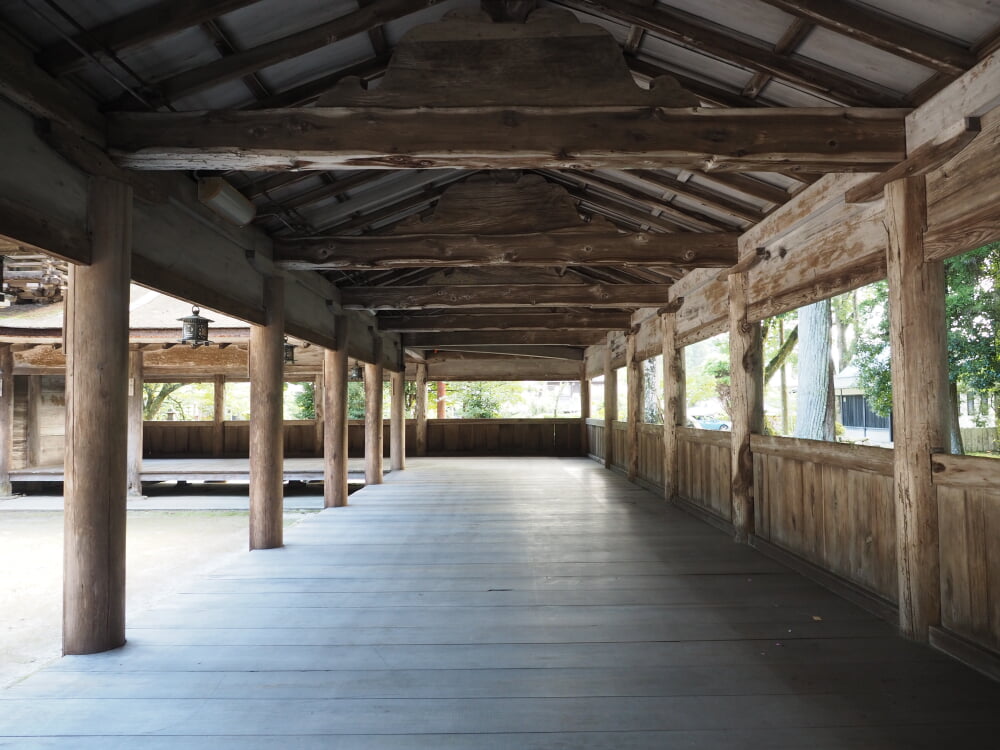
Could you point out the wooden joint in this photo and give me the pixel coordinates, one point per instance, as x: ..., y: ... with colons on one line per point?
x: 752, y: 260
x: 673, y: 307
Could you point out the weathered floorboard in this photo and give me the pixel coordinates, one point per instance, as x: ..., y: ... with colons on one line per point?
x: 489, y: 603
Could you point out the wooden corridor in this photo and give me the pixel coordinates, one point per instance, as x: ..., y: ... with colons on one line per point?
x: 530, y: 604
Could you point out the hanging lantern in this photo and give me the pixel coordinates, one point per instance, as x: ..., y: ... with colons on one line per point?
x: 289, y: 352
x: 194, y: 329
x: 356, y: 372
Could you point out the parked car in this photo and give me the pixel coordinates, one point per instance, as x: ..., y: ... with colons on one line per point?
x: 709, y: 423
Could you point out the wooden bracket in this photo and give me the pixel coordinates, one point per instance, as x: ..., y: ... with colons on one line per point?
x: 673, y: 307
x: 745, y: 264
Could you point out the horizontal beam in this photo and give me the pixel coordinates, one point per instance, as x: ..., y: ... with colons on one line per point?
x: 585, y: 137
x: 563, y: 247
x: 549, y: 351
x: 433, y: 340
x: 504, y: 295
x: 600, y: 319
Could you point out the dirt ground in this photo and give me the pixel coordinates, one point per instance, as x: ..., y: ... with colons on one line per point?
x: 165, y: 550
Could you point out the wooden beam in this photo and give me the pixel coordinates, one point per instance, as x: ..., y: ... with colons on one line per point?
x: 786, y: 44
x: 712, y: 93
x: 554, y: 337
x: 138, y: 27
x: 584, y: 137
x: 373, y: 424
x: 700, y: 35
x: 420, y: 410
x: 748, y: 185
x: 96, y: 419
x: 555, y: 248
x: 889, y: 33
x: 306, y: 93
x: 918, y: 337
x: 925, y: 158
x: 524, y: 351
x: 524, y: 321
x: 293, y: 45
x: 267, y: 353
x: 397, y: 421
x: 634, y: 403
x: 504, y: 295
x: 584, y: 407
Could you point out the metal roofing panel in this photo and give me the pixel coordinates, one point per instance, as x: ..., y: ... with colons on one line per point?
x: 272, y: 19
x: 964, y: 20
x: 319, y: 62
x: 743, y: 17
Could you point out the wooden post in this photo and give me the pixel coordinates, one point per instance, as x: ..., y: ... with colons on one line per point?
x: 319, y: 423
x: 219, y: 416
x: 397, y: 421
x: 634, y: 398
x: 335, y: 464
x: 134, y: 472
x: 918, y: 340
x: 673, y: 403
x: 33, y: 422
x: 745, y: 382
x: 420, y: 409
x: 96, y: 329
x: 442, y: 396
x: 373, y: 423
x: 584, y: 408
x: 610, y: 405
x: 267, y: 358
x: 6, y: 417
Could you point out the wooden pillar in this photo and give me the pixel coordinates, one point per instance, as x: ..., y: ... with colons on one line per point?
x: 673, y: 403
x: 33, y: 422
x: 420, y: 409
x: 373, y: 423
x: 134, y: 471
x: 335, y: 464
x: 219, y: 416
x: 918, y: 340
x: 6, y: 416
x: 745, y: 388
x: 610, y: 406
x: 584, y: 408
x: 397, y: 421
x: 267, y: 359
x: 634, y: 398
x: 442, y: 396
x: 96, y: 330
x: 319, y: 422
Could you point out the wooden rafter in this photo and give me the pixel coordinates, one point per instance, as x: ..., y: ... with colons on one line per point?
x: 133, y: 29
x: 700, y: 35
x: 789, y: 41
x: 504, y: 295
x: 891, y: 34
x: 306, y: 93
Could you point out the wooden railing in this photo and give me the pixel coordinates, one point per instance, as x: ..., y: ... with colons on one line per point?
x: 831, y: 504
x: 472, y: 437
x: 968, y: 491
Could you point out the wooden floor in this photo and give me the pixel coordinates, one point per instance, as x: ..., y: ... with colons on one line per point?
x: 528, y: 604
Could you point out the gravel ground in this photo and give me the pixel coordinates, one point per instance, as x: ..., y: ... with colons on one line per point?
x: 165, y: 550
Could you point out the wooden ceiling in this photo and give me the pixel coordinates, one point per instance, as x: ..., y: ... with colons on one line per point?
x: 253, y: 56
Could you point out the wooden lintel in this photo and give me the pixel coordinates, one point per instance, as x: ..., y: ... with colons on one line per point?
x: 582, y: 137
x: 547, y: 351
x: 924, y: 159
x: 553, y: 248
x: 592, y: 319
x: 504, y: 295
x: 433, y: 340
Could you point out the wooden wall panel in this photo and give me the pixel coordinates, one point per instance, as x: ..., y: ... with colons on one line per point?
x: 704, y: 470
x: 595, y: 436
x: 833, y: 507
x: 651, y: 453
x: 968, y: 493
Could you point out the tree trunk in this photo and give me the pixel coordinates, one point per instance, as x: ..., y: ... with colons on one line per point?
x: 812, y: 421
x: 954, y: 428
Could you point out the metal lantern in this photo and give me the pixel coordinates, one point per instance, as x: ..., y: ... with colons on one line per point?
x: 194, y: 329
x: 289, y: 352
x: 356, y: 372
